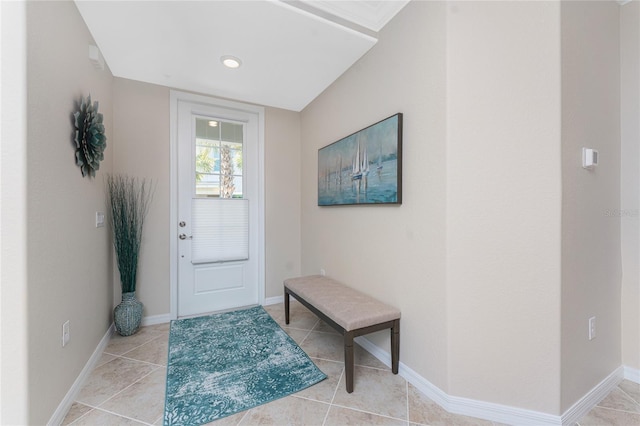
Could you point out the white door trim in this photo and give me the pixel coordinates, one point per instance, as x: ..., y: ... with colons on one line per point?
x: 175, y: 97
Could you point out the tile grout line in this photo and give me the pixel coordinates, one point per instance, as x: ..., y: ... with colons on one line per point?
x: 406, y: 385
x: 619, y: 411
x: 305, y: 329
x: 93, y: 409
x: 155, y: 368
x: 123, y: 416
x: 325, y: 359
x: 159, y: 335
x: 307, y: 398
x: 627, y: 395
x: 99, y: 407
x: 159, y: 418
x: 367, y: 412
x: 84, y: 415
x: 356, y: 365
x: 373, y: 368
x: 335, y: 391
x: 144, y: 362
x: 304, y: 338
x: 243, y: 417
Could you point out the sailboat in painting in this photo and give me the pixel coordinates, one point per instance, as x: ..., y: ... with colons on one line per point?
x: 360, y: 166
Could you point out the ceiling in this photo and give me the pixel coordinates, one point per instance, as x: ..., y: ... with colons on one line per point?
x: 290, y: 50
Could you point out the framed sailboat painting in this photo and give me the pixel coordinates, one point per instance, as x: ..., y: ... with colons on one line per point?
x: 364, y: 167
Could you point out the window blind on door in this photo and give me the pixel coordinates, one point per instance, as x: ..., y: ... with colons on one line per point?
x: 220, y: 230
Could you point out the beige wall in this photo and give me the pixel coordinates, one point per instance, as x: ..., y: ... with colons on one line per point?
x: 282, y: 198
x: 503, y: 202
x: 484, y: 255
x: 472, y: 255
x: 394, y: 253
x: 591, y: 272
x: 630, y: 181
x: 68, y: 258
x: 141, y: 149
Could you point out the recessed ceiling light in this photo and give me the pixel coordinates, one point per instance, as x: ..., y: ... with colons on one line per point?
x: 231, y: 61
x: 213, y: 123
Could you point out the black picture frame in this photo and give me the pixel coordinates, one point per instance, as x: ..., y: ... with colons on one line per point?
x: 364, y: 168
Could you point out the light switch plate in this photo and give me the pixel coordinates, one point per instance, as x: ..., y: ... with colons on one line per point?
x: 589, y: 158
x: 99, y: 219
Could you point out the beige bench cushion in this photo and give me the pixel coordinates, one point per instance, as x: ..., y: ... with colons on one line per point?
x: 347, y: 307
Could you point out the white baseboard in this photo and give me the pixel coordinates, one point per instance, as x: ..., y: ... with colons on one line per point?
x: 277, y: 299
x: 273, y: 300
x: 164, y: 318
x: 156, y: 319
x: 64, y: 406
x: 503, y: 413
x: 593, y: 397
x: 632, y: 374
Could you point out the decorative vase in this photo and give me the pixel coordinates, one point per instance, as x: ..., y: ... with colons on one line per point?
x: 127, y: 316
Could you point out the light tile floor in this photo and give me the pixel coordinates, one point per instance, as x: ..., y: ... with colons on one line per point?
x: 127, y: 387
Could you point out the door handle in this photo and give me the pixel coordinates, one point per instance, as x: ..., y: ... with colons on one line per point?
x: 184, y: 237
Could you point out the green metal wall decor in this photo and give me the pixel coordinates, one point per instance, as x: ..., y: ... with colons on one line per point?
x: 89, y: 137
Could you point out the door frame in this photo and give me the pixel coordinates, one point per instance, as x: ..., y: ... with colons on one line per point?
x: 176, y: 96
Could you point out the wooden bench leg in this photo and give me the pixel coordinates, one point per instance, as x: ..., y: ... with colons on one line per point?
x: 286, y: 307
x: 395, y: 346
x: 348, y: 360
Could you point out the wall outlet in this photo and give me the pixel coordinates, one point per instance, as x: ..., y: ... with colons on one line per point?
x: 322, y: 271
x: 592, y: 328
x: 65, y: 333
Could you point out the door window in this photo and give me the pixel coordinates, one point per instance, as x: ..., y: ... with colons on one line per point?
x: 218, y: 159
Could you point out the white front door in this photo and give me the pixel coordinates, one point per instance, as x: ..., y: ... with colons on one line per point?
x: 218, y: 208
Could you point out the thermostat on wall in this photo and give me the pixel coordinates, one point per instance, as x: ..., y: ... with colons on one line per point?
x: 589, y: 158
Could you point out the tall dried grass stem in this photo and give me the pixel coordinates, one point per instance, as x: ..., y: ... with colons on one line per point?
x: 128, y: 202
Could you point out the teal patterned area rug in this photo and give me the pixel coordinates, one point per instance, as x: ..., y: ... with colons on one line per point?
x: 225, y: 363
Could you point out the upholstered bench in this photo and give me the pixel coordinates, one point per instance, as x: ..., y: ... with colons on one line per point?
x: 350, y: 312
